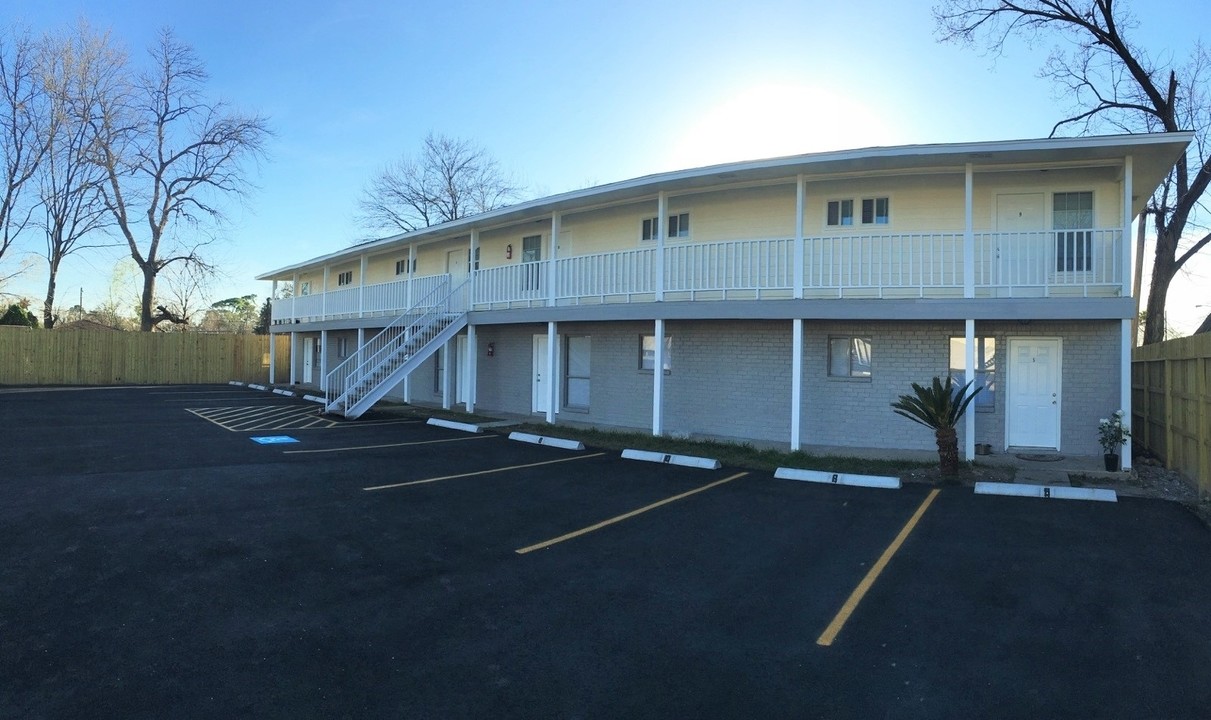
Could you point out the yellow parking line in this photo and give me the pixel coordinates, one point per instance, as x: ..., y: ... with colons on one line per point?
x: 388, y: 445
x: 480, y: 472
x: 625, y: 516
x: 830, y: 633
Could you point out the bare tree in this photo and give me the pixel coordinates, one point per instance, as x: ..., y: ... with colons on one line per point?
x: 24, y: 126
x: 170, y: 156
x: 185, y: 291
x: 1112, y: 82
x: 77, y: 71
x: 449, y: 179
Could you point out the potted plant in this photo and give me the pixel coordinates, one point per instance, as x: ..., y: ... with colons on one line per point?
x: 1112, y: 434
x: 939, y: 408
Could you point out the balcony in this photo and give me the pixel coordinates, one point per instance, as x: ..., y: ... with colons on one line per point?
x: 1066, y: 263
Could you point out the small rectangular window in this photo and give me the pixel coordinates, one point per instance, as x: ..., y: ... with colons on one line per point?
x: 679, y: 226
x: 345, y: 278
x: 342, y: 347
x: 401, y: 267
x: 875, y: 211
x: 985, y: 367
x: 849, y: 357
x: 840, y: 213
x: 576, y: 372
x: 647, y: 353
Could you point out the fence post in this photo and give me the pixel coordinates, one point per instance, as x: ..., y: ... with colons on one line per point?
x: 1167, y: 381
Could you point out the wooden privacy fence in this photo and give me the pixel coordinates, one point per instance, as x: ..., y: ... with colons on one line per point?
x: 92, y: 357
x: 1171, y: 404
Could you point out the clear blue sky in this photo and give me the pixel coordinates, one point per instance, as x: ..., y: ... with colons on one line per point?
x: 564, y: 95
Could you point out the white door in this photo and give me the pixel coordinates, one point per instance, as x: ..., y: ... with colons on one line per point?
x: 308, y: 360
x: 541, y: 398
x: 463, y: 387
x: 458, y: 263
x: 1034, y: 393
x: 1021, y: 245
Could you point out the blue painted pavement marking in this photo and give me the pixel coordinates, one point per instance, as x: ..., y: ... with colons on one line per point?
x: 273, y: 439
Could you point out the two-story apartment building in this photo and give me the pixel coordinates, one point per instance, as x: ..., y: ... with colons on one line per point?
x: 788, y: 300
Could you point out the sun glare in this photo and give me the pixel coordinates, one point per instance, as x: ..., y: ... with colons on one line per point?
x: 775, y: 119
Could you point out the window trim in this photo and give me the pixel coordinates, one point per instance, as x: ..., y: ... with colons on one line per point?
x: 1079, y: 239
x: 678, y: 228
x: 849, y: 376
x: 959, y: 373
x: 668, y: 353
x: 566, y: 373
x: 344, y: 278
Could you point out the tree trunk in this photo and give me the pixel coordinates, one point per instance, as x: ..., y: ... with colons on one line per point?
x: 948, y: 451
x: 1163, y: 269
x: 48, y: 305
x: 147, y: 322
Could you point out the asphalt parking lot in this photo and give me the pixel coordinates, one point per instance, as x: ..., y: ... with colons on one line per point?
x: 157, y: 562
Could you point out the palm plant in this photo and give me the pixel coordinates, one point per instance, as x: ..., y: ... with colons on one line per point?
x: 939, y: 408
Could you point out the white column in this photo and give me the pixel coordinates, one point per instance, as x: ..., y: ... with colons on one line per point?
x: 662, y: 222
x: 273, y: 357
x: 556, y: 222
x: 1128, y: 191
x: 361, y: 291
x: 796, y: 381
x: 324, y: 296
x: 294, y: 353
x: 469, y: 372
x: 552, y: 375
x: 969, y: 420
x: 658, y: 382
x: 448, y: 371
x: 324, y: 358
x: 800, y: 189
x: 474, y: 269
x: 1125, y: 386
x: 361, y: 344
x: 1128, y: 337
x: 294, y: 294
x: 411, y: 265
x: 969, y: 239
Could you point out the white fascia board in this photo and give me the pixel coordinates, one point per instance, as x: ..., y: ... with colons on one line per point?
x: 872, y: 159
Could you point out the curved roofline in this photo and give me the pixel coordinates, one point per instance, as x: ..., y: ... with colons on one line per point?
x: 867, y: 159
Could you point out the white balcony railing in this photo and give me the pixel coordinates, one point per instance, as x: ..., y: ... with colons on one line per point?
x: 1043, y: 263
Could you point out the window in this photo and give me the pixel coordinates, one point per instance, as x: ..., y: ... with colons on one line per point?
x: 875, y: 211
x: 305, y: 287
x: 1072, y: 219
x: 985, y: 367
x: 345, y: 278
x: 576, y: 372
x: 849, y: 357
x: 531, y: 252
x: 840, y: 212
x: 401, y: 267
x: 679, y: 226
x: 647, y: 353
x: 342, y: 347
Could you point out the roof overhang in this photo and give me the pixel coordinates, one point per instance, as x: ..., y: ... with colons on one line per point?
x: 1153, y: 155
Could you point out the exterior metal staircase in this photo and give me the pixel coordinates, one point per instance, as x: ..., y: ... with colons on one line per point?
x: 387, y: 358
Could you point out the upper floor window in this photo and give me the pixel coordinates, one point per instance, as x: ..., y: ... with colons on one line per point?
x: 401, y: 267
x: 1072, y: 219
x: 679, y: 226
x: 876, y: 211
x: 840, y: 213
x: 345, y: 278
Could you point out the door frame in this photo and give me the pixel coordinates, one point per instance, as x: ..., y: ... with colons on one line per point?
x: 309, y: 360
x: 1059, y: 386
x: 537, y: 368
